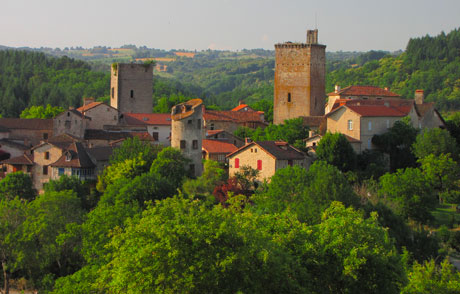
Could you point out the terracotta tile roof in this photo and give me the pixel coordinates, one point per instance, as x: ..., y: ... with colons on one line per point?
x: 364, y: 91
x: 276, y: 149
x: 233, y: 116
x: 27, y: 124
x: 242, y: 106
x: 74, y: 156
x: 89, y: 106
x: 376, y: 110
x: 147, y: 118
x: 217, y: 146
x: 25, y: 159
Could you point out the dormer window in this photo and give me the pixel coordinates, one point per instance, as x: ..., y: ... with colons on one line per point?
x: 68, y: 157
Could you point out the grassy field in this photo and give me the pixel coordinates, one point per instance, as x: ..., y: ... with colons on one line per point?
x: 445, y: 214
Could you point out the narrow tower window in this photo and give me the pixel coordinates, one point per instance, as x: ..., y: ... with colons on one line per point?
x: 113, y: 92
x: 289, y: 97
x: 132, y: 94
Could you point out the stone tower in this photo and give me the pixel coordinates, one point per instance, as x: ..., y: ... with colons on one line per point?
x: 300, y: 77
x: 187, y: 132
x: 132, y: 87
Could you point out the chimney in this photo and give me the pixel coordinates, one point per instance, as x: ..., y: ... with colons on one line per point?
x: 247, y: 141
x: 240, y: 102
x: 88, y: 100
x: 386, y: 89
x: 311, y: 133
x: 312, y: 36
x: 419, y: 96
x: 337, y: 88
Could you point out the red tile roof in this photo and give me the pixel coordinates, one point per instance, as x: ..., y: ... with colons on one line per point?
x: 147, y: 118
x: 24, y: 159
x: 213, y: 132
x: 278, y: 150
x: 74, y: 156
x: 217, y: 146
x: 364, y: 91
x: 376, y: 110
x: 88, y: 106
x: 242, y: 106
x: 233, y: 116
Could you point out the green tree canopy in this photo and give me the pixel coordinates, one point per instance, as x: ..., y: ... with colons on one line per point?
x: 17, y: 184
x: 435, y: 141
x: 335, y: 149
x: 41, y: 112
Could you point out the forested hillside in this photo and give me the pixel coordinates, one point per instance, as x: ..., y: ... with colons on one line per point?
x: 429, y: 63
x: 31, y: 78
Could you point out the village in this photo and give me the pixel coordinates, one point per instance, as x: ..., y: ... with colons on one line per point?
x: 79, y: 142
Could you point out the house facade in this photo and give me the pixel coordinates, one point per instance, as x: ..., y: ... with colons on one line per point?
x: 267, y: 157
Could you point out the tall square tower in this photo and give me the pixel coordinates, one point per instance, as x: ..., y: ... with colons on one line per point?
x: 300, y: 78
x: 131, y: 87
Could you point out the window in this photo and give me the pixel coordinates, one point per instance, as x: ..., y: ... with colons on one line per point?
x: 252, y: 150
x: 47, y: 155
x: 388, y: 123
x: 290, y: 162
x: 45, y: 170
x: 199, y: 124
x: 369, y: 126
x: 192, y: 169
x: 155, y: 136
x: 369, y: 143
x: 182, y: 144
x: 237, y: 163
x: 67, y: 124
x: 131, y: 94
x: 113, y: 92
x: 350, y: 125
x: 289, y: 97
x: 189, y: 122
x: 259, y: 164
x: 68, y: 156
x: 212, y: 126
x: 255, y: 150
x: 61, y: 171
x: 45, y: 136
x: 29, y: 168
x: 195, y: 144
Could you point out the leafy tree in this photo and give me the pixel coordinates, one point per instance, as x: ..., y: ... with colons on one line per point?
x: 17, y: 184
x: 305, y: 193
x: 432, y: 278
x: 170, y: 164
x: 41, y: 112
x: 411, y: 192
x: 74, y: 184
x: 266, y: 106
x: 134, y: 148
x: 453, y: 126
x: 336, y: 150
x: 397, y: 144
x: 435, y: 141
x: 442, y: 173
x: 13, y: 248
x: 212, y: 176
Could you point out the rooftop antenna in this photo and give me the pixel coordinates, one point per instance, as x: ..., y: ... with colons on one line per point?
x: 316, y: 23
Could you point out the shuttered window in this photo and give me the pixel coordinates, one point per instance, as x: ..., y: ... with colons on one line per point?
x: 259, y: 164
x: 237, y: 163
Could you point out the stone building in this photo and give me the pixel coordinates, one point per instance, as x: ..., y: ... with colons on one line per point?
x: 28, y: 132
x: 158, y: 125
x: 132, y: 87
x: 71, y: 122
x: 267, y: 157
x: 300, y: 71
x: 231, y: 120
x: 187, y: 132
x: 217, y: 150
x: 100, y: 113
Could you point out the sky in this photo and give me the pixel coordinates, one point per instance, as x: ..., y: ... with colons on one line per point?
x: 344, y: 25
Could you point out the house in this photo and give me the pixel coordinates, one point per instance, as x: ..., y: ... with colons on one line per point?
x: 357, y: 92
x: 28, y: 132
x: 71, y: 122
x: 361, y: 119
x: 231, y: 120
x: 23, y: 162
x: 225, y: 137
x: 267, y: 157
x: 100, y: 113
x: 158, y: 125
x: 217, y: 150
x: 74, y: 161
x: 13, y: 148
x: 243, y: 107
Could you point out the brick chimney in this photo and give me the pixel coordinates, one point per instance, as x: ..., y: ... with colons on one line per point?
x: 88, y: 100
x: 419, y: 96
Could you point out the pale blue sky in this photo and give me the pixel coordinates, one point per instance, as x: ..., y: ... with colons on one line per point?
x: 352, y: 25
